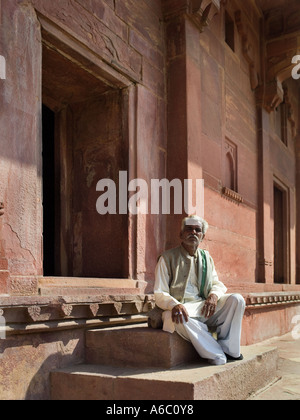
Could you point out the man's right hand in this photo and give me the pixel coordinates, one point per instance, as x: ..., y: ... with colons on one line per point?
x: 179, y: 314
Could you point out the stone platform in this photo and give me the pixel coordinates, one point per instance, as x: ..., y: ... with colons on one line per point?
x: 137, y: 363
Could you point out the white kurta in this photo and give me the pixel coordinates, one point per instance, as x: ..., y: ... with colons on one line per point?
x: 227, y: 319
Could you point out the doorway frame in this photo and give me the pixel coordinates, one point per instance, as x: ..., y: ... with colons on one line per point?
x: 71, y: 48
x: 286, y: 229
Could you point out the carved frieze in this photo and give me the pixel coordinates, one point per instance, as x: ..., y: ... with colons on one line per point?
x: 269, y: 299
x: 232, y: 195
x: 43, y: 314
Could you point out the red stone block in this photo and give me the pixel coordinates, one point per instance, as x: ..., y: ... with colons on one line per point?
x: 142, y: 18
x: 104, y: 12
x: 146, y: 49
x: 3, y: 264
x: 4, y: 279
x: 93, y: 33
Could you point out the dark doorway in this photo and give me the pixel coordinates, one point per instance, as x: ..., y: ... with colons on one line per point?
x: 280, y: 236
x: 83, y: 142
x: 48, y: 121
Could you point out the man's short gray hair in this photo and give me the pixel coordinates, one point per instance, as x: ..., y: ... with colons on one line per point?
x: 190, y: 220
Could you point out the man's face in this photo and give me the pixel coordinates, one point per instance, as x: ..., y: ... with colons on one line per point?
x: 192, y: 234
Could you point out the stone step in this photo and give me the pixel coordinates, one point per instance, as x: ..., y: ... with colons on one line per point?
x: 69, y: 286
x: 137, y: 346
x: 189, y: 381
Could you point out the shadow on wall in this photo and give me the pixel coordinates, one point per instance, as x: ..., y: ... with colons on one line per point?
x: 27, y: 361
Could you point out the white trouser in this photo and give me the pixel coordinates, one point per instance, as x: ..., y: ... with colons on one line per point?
x: 228, y: 324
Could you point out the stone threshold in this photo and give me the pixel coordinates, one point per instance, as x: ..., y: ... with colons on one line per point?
x: 75, y: 286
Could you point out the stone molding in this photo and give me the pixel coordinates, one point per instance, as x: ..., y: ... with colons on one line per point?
x: 39, y: 314
x: 267, y: 300
x: 32, y: 314
x: 232, y: 195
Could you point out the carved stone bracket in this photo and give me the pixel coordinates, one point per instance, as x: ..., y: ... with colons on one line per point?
x: 202, y: 12
x: 118, y: 307
x: 273, y: 95
x: 94, y: 308
x: 66, y: 310
x: 290, y: 111
x: 1, y: 209
x: 34, y: 312
x: 270, y: 95
x: 279, y: 66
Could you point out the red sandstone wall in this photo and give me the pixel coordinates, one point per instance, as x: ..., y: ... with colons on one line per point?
x: 130, y: 36
x: 229, y: 114
x: 127, y: 34
x: 20, y: 187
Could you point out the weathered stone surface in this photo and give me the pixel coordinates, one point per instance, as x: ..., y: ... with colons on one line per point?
x: 236, y: 381
x: 156, y: 348
x: 135, y: 86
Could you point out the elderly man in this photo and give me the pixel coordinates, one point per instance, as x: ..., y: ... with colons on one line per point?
x: 193, y: 299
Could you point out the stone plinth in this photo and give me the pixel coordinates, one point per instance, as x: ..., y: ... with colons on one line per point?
x: 190, y: 381
x: 138, y: 346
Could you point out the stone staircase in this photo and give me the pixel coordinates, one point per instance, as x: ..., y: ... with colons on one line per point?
x: 138, y: 363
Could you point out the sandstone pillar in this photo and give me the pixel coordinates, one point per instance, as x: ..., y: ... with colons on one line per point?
x: 265, y: 228
x: 185, y: 20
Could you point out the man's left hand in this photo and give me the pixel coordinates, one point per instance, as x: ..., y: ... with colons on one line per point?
x: 210, y: 306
